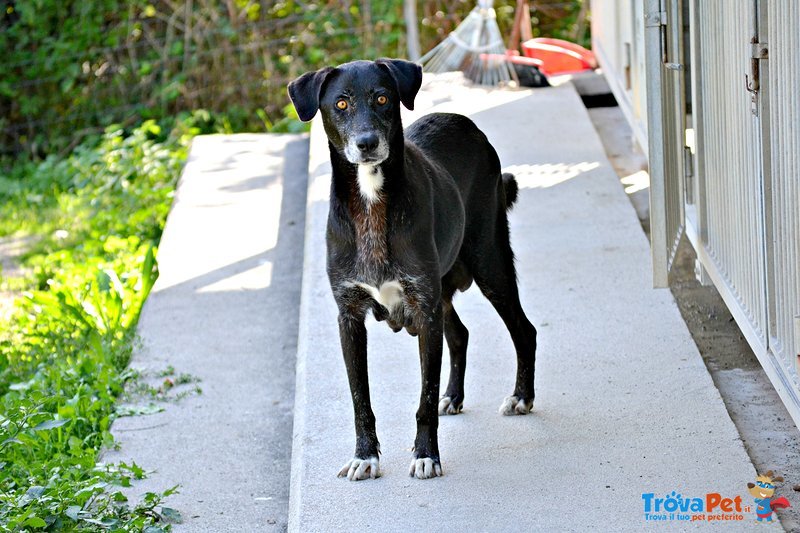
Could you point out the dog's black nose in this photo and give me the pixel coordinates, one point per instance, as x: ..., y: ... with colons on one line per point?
x: 367, y: 142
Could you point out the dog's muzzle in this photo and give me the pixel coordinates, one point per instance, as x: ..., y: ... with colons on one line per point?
x: 366, y: 148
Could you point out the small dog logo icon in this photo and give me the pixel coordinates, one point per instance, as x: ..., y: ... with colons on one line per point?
x: 763, y: 491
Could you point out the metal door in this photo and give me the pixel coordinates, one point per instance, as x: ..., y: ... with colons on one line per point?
x: 665, y: 127
x: 743, y: 213
x: 779, y: 24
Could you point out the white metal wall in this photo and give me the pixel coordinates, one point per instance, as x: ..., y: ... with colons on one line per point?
x: 618, y: 44
x: 745, y: 224
x: 666, y: 139
x: 740, y: 197
x: 783, y: 89
x: 731, y: 185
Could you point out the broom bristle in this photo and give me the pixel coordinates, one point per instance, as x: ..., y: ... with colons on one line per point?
x: 475, y: 47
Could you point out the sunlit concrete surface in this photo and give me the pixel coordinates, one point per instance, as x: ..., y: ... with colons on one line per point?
x: 624, y: 404
x: 224, y: 310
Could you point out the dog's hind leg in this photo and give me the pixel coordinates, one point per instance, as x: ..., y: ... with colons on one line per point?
x: 457, y: 337
x: 496, y: 277
x: 425, y: 462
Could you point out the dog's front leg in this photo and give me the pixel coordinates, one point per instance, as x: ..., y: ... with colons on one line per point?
x: 425, y: 462
x: 353, y: 336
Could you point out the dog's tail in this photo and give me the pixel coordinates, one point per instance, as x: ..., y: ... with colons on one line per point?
x: 511, y: 188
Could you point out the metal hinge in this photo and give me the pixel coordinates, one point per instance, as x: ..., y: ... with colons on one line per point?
x: 759, y: 51
x: 752, y: 80
x: 658, y: 19
x: 654, y: 19
x: 688, y: 174
x: 688, y: 162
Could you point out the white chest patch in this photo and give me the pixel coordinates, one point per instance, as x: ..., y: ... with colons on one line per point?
x: 370, y: 181
x: 389, y: 294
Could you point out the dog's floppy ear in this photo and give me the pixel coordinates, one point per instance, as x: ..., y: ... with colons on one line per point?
x: 305, y: 92
x: 407, y: 76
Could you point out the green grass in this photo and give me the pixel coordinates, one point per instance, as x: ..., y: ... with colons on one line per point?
x: 96, y: 217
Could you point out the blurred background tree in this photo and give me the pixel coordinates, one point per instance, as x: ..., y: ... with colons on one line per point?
x: 71, y: 67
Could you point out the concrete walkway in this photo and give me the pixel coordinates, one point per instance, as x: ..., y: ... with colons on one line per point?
x: 624, y: 403
x: 224, y: 310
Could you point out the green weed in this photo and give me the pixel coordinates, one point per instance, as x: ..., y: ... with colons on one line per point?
x: 96, y: 217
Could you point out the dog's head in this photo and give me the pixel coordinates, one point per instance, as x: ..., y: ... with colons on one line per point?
x: 360, y: 104
x: 764, y: 487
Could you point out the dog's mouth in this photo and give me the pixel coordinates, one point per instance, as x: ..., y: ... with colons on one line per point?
x: 370, y: 160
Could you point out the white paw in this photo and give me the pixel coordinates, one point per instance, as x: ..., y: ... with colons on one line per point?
x: 424, y: 468
x: 446, y: 406
x: 357, y: 469
x: 514, y: 405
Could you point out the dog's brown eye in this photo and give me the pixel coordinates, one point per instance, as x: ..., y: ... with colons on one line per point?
x: 341, y: 104
x: 382, y: 100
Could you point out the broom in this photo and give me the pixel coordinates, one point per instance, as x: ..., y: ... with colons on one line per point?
x: 475, y: 47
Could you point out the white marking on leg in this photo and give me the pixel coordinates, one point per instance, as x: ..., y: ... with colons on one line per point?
x: 514, y: 405
x: 357, y: 469
x: 370, y: 182
x: 447, y: 407
x: 424, y: 468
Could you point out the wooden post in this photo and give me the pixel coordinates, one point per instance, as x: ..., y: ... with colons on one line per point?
x: 412, y: 33
x: 513, y: 41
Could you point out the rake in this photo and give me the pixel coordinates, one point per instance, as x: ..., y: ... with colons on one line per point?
x: 475, y: 47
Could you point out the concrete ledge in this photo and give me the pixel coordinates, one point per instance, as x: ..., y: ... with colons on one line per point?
x: 224, y: 309
x: 624, y: 403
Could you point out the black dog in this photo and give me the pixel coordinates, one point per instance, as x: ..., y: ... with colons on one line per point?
x: 413, y: 217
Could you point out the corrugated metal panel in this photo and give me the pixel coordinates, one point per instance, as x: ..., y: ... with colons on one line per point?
x: 675, y: 124
x: 638, y: 71
x: 732, y: 180
x: 743, y: 213
x: 665, y: 118
x: 783, y: 24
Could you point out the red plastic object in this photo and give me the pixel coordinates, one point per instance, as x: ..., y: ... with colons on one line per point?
x: 559, y: 56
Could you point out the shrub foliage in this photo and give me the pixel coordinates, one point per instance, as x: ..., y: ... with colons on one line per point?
x: 72, y: 66
x: 96, y: 217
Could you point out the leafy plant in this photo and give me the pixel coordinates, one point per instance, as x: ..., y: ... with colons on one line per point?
x: 70, y: 66
x: 98, y: 215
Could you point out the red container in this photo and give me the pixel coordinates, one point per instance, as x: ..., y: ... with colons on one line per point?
x: 559, y: 56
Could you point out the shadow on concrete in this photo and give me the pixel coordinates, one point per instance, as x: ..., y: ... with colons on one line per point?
x: 239, y: 340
